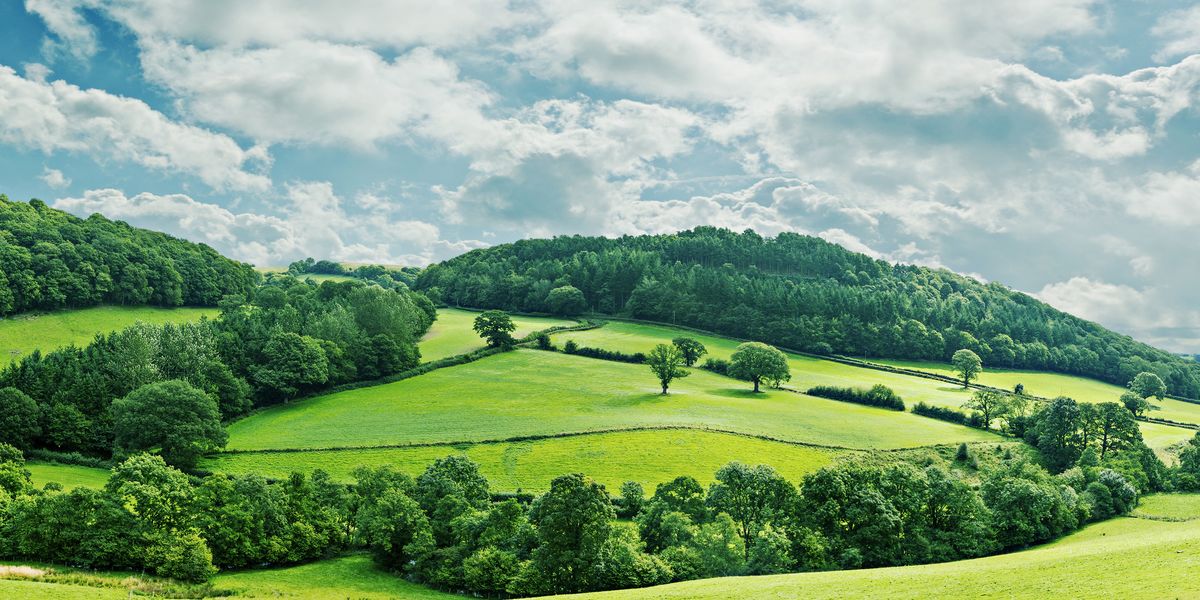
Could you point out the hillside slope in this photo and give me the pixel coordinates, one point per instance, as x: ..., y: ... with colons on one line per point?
x: 50, y: 259
x: 800, y: 292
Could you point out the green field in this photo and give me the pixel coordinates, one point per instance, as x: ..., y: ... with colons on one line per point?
x: 452, y: 334
x: 1171, y: 507
x: 353, y: 576
x: 530, y: 392
x: 22, y: 334
x: 647, y: 457
x: 69, y: 476
x: 1053, y: 385
x: 1120, y: 558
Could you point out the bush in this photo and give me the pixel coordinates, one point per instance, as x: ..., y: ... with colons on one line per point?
x: 632, y: 499
x: 183, y: 556
x: 716, y: 365
x: 572, y: 348
x: 879, y: 395
x: 947, y: 414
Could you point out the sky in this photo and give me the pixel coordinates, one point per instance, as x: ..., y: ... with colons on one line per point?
x: 1050, y: 145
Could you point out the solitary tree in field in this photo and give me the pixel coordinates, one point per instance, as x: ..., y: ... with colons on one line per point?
x: 967, y: 364
x: 758, y: 362
x: 1136, y: 404
x: 496, y: 327
x: 180, y: 420
x: 990, y: 403
x: 666, y: 362
x: 691, y: 349
x: 1148, y: 384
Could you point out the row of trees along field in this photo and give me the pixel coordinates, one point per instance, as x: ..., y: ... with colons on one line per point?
x: 798, y: 292
x: 446, y: 528
x: 290, y: 338
x: 378, y: 274
x: 50, y: 259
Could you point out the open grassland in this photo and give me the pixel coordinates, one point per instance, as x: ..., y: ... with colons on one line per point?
x: 530, y: 392
x: 647, y: 457
x: 807, y: 371
x: 37, y: 590
x: 1120, y: 558
x: 452, y: 334
x: 1165, y: 440
x: 22, y: 334
x: 1170, y: 507
x: 69, y: 476
x: 1053, y: 385
x: 353, y: 576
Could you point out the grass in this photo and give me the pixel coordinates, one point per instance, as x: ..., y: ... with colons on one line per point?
x: 647, y: 457
x: 45, y: 331
x: 452, y: 334
x: 38, y: 590
x: 352, y: 576
x: 1169, y: 507
x: 1120, y: 558
x: 530, y: 392
x: 69, y: 476
x: 1052, y: 385
x: 807, y: 371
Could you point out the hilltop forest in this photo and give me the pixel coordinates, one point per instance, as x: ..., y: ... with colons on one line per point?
x: 799, y: 292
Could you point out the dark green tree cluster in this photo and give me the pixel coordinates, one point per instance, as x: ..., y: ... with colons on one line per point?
x: 50, y: 259
x: 800, y: 292
x: 1065, y: 430
x: 385, y: 277
x: 291, y: 338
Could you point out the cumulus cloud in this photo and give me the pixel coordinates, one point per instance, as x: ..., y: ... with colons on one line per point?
x: 1179, y: 31
x: 310, y: 221
x: 57, y: 116
x: 54, y: 178
x: 1123, y: 308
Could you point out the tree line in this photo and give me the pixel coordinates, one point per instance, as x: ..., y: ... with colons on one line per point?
x: 50, y: 259
x: 151, y: 385
x: 448, y: 529
x: 798, y: 292
x: 385, y: 277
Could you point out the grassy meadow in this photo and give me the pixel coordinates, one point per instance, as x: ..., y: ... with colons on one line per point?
x: 1170, y: 507
x: 452, y: 334
x: 22, y: 334
x: 531, y: 392
x: 1120, y: 558
x: 647, y: 457
x: 69, y: 476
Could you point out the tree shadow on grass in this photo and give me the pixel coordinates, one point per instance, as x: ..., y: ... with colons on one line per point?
x: 746, y: 393
x: 647, y: 399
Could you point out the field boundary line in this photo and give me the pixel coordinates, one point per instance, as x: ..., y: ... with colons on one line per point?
x: 569, y: 434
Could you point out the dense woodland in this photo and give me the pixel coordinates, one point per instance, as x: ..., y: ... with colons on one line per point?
x: 290, y: 339
x: 798, y: 292
x: 50, y: 259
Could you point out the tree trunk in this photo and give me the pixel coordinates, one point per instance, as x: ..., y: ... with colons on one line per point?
x: 756, y: 385
x: 664, y: 389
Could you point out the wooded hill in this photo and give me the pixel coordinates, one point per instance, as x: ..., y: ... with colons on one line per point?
x: 50, y: 259
x: 799, y: 292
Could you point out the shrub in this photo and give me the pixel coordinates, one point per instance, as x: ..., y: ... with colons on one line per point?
x: 879, y: 395
x: 947, y: 414
x: 183, y: 556
x: 716, y: 365
x: 632, y: 499
x: 572, y: 348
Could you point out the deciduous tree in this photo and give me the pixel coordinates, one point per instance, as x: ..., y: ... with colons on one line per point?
x: 758, y: 362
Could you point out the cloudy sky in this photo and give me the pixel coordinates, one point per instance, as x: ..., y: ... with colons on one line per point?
x: 1051, y: 145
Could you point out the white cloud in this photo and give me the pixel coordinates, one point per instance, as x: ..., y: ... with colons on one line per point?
x: 63, y: 18
x: 54, y: 178
x: 310, y: 221
x: 1180, y: 33
x: 58, y: 116
x: 1171, y: 198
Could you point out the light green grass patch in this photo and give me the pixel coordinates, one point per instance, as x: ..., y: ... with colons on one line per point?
x: 353, y: 576
x: 36, y: 590
x: 1173, y: 507
x: 452, y: 332
x: 69, y: 476
x: 530, y: 392
x: 1053, y: 385
x: 1120, y: 558
x: 806, y: 371
x: 647, y: 457
x: 22, y: 334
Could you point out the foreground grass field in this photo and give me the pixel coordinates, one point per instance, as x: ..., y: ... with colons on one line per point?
x: 530, y: 392
x: 24, y: 333
x: 452, y: 334
x: 69, y: 476
x: 1121, y: 558
x: 647, y: 457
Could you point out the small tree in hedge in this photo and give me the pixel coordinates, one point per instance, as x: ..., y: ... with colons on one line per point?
x: 758, y: 362
x: 967, y: 364
x: 666, y: 362
x: 496, y: 327
x: 691, y: 349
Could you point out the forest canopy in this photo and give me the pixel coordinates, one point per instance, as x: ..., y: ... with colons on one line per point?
x: 50, y: 259
x: 803, y: 293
